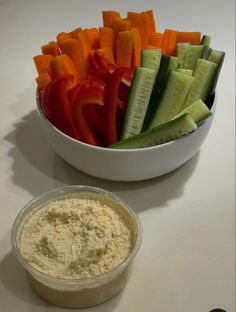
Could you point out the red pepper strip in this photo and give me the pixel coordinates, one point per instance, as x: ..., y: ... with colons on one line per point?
x: 56, y: 106
x: 123, y: 93
x: 101, y: 62
x: 111, y: 102
x: 90, y: 92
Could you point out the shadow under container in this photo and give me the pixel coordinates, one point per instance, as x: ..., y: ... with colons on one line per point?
x: 77, y: 293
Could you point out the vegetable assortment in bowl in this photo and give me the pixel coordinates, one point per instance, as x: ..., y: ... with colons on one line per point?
x: 125, y: 86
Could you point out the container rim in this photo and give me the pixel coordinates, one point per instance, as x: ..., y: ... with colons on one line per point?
x: 70, y: 189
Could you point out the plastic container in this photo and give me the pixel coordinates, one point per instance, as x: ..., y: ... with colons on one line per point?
x: 77, y: 293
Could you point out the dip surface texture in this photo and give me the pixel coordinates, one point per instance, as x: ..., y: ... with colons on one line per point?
x: 77, y: 237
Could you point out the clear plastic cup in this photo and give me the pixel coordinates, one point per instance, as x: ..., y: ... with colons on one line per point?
x: 77, y: 293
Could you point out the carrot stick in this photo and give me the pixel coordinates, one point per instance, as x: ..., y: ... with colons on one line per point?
x: 50, y: 48
x: 63, y: 36
x: 122, y: 24
x: 169, y: 42
x: 137, y: 45
x: 42, y: 62
x: 149, y: 47
x: 106, y: 37
x: 73, y: 49
x: 43, y: 80
x: 191, y: 37
x: 74, y: 32
x: 141, y: 22
x: 106, y: 40
x: 156, y: 39
x: 83, y: 43
x: 151, y: 20
x: 92, y: 37
x: 62, y: 65
x: 109, y: 17
x: 124, y: 49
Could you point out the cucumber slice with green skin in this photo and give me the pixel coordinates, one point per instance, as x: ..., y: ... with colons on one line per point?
x: 206, y: 53
x: 206, y: 40
x: 139, y: 96
x: 181, y: 51
x: 167, y: 64
x: 151, y: 58
x: 172, y: 99
x: 193, y: 53
x: 185, y: 71
x: 204, y: 75
x: 198, y: 110
x: 166, y: 132
x: 218, y: 58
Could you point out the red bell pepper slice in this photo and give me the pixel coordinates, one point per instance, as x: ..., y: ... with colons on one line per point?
x: 90, y: 92
x: 111, y: 103
x: 99, y: 60
x: 56, y: 106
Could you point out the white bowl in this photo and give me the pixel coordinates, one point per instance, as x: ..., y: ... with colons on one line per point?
x: 125, y: 164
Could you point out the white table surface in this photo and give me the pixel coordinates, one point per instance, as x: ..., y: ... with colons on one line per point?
x: 186, y: 261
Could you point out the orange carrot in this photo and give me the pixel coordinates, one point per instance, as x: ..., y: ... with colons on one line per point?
x: 191, y: 37
x: 73, y: 49
x: 152, y: 24
x: 92, y: 37
x: 137, y: 45
x: 109, y: 17
x: 83, y: 43
x: 121, y: 24
x: 74, y: 32
x: 149, y: 47
x: 42, y: 62
x: 51, y: 48
x: 63, y: 36
x: 106, y: 37
x: 63, y: 65
x: 156, y: 39
x: 141, y: 22
x: 124, y: 48
x: 169, y: 42
x: 43, y: 80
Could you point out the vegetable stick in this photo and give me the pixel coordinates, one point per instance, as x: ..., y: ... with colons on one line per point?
x: 151, y: 20
x: 141, y: 22
x: 63, y: 36
x: 109, y: 17
x: 42, y: 62
x: 74, y: 32
x: 50, y: 48
x: 63, y: 65
x: 106, y: 37
x: 156, y: 39
x: 83, y: 43
x: 149, y: 47
x: 191, y: 37
x: 137, y: 45
x: 124, y: 48
x: 169, y: 42
x: 72, y: 48
x: 92, y: 37
x: 43, y: 80
x: 121, y: 25
x: 106, y: 40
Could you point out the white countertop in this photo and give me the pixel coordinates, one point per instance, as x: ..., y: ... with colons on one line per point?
x: 186, y: 261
